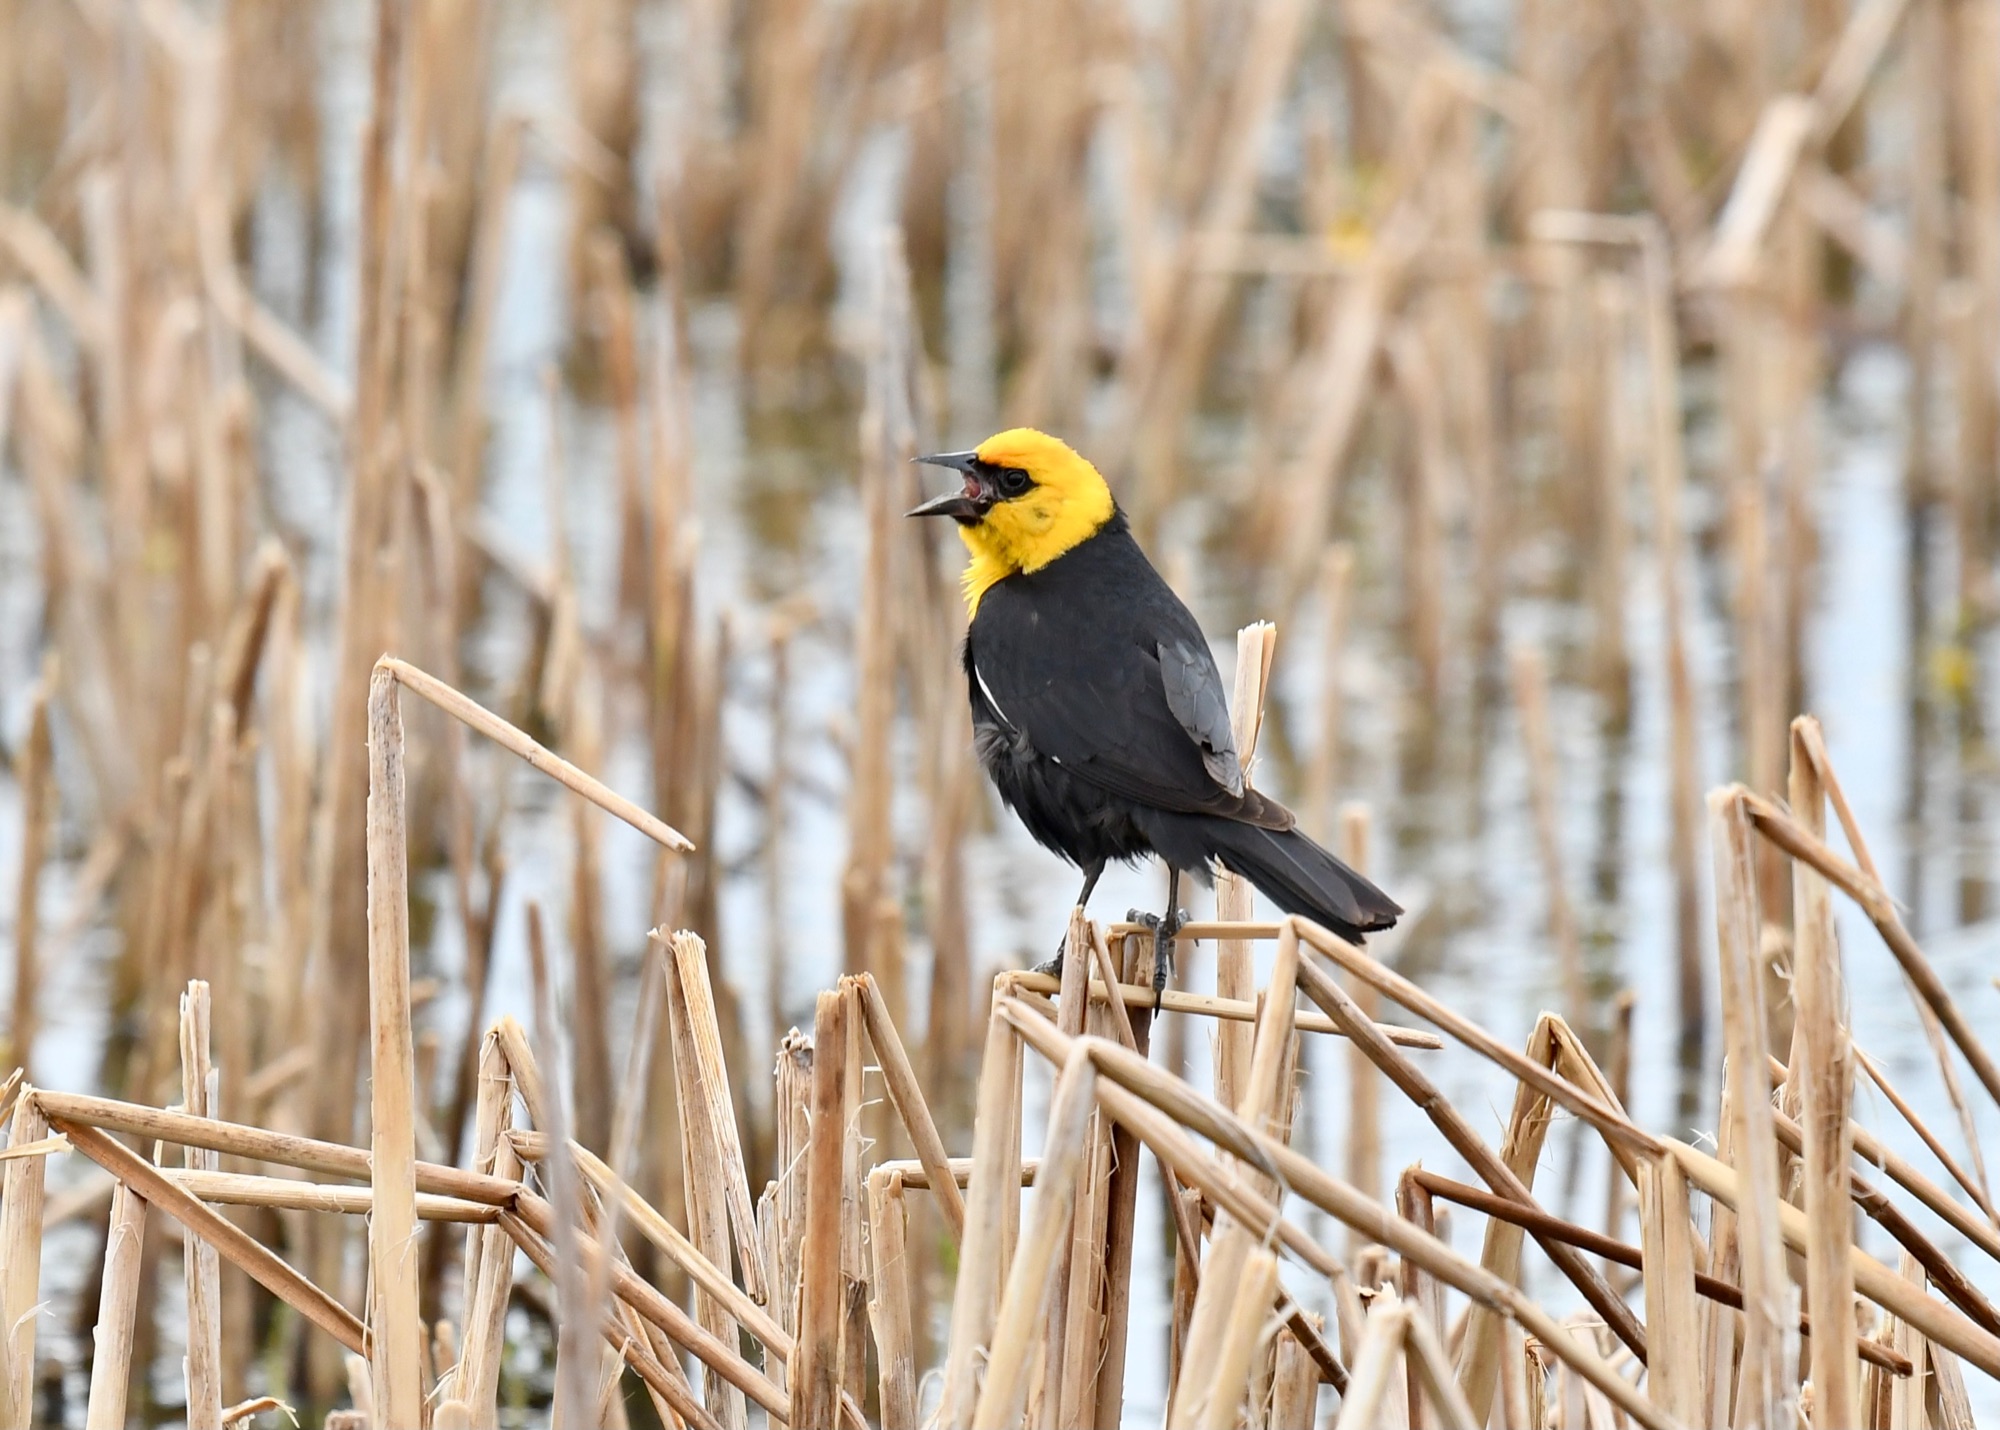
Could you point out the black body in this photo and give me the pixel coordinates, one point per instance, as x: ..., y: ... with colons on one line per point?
x: 1098, y: 712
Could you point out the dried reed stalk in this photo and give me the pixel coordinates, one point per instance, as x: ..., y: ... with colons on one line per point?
x: 1032, y: 1276
x: 477, y: 717
x: 815, y: 1372
x: 1235, y: 900
x: 714, y: 1281
x: 117, y: 1311
x: 1073, y: 1012
x: 1763, y: 1384
x: 1672, y: 1381
x: 1375, y: 1392
x: 1337, y: 1199
x: 1826, y: 1063
x: 1871, y: 1278
x: 981, y: 1252
x: 1295, y: 1387
x: 712, y: 1083
x: 889, y: 1304
x: 1242, y: 1337
x: 1324, y: 990
x: 228, y: 1239
x: 259, y: 1144
x: 1714, y: 1177
x: 21, y: 1202
x: 203, y: 1272
x: 672, y: 1389
x: 1622, y: 1253
x: 899, y: 1079
x: 237, y: 1189
x: 396, y: 1376
x: 1906, y: 1394
x: 486, y: 1295
x: 1225, y: 1010
x: 1969, y: 1181
x: 1785, y: 832
x: 1944, y: 1273
x: 538, y: 1216
x: 1121, y: 1200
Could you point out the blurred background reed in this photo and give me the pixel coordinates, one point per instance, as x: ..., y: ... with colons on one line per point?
x: 1583, y: 389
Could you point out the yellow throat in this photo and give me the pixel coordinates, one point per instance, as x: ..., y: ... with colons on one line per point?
x: 1068, y: 504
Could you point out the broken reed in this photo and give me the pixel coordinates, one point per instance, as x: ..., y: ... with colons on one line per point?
x: 1402, y: 1349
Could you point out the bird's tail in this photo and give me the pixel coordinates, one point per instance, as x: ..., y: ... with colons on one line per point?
x: 1300, y: 877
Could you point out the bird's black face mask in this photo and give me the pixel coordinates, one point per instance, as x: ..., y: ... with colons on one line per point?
x: 967, y: 506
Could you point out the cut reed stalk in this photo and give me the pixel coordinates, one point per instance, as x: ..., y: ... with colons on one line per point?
x: 21, y: 1201
x: 1827, y: 1091
x: 672, y: 1389
x: 1595, y: 1243
x: 711, y: 1083
x: 1324, y: 990
x: 814, y: 1375
x: 238, y: 1189
x: 648, y: 1222
x: 1672, y: 1381
x: 1235, y: 901
x: 117, y: 1311
x: 202, y: 1271
x: 1375, y: 1391
x: 1121, y: 1201
x: 477, y: 717
x: 1226, y: 1010
x: 396, y: 1377
x: 1031, y: 1279
x: 539, y: 1216
x: 225, y: 1236
x: 889, y: 1303
x: 1338, y: 1199
x: 1785, y: 832
x: 899, y: 1079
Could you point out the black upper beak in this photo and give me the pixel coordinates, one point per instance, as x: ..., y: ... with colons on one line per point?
x: 970, y: 503
x: 957, y: 461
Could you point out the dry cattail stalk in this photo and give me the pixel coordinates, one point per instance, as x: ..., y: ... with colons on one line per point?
x: 203, y: 1272
x: 229, y: 1240
x: 117, y: 1311
x: 21, y: 1201
x: 1825, y: 1058
x: 395, y: 1377
x: 1234, y: 899
x: 1620, y: 1253
x: 815, y: 1374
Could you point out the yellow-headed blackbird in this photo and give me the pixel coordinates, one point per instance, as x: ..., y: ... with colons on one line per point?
x: 1097, y: 709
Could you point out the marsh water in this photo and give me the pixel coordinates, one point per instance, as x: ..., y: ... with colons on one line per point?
x: 1903, y: 694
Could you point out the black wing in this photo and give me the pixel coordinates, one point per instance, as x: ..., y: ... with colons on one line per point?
x: 1097, y: 663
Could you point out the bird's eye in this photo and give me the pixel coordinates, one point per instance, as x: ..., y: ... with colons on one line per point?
x: 1013, y: 481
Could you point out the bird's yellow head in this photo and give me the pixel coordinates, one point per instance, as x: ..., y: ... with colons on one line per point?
x: 1027, y: 499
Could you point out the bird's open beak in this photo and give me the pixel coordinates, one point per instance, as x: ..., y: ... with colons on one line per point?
x: 967, y: 505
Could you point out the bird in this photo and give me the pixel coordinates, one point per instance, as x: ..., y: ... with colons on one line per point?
x: 1097, y: 709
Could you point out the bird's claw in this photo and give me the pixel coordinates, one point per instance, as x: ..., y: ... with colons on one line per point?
x: 1053, y: 967
x: 1164, y: 928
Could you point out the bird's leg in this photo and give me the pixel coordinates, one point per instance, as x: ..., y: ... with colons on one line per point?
x: 1163, y: 935
x: 1091, y: 874
x: 1164, y: 927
